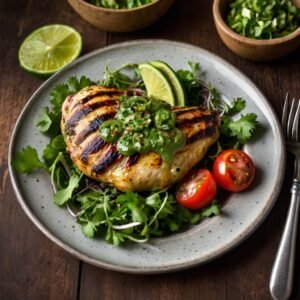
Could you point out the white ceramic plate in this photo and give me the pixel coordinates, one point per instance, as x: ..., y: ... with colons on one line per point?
x: 241, y: 214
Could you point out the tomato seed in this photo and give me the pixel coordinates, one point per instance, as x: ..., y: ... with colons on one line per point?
x: 232, y: 159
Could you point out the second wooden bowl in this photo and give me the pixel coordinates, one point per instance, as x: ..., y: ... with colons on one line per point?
x: 121, y: 20
x: 259, y: 50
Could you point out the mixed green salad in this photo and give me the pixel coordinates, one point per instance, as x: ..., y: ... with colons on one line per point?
x: 263, y: 19
x: 102, y: 210
x: 119, y: 4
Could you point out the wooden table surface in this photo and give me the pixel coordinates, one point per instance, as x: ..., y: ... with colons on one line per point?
x: 33, y: 267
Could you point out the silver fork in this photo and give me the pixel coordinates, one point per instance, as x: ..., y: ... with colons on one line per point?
x: 281, y: 282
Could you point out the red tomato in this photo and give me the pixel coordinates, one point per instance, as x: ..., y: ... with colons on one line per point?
x: 233, y: 170
x: 197, y: 190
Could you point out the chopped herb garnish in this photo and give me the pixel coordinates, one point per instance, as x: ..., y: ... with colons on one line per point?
x: 119, y: 4
x: 263, y: 19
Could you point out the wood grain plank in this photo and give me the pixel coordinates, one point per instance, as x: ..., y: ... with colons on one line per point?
x: 32, y: 267
x: 200, y: 284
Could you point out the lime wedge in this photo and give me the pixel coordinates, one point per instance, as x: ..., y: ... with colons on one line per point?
x: 173, y: 79
x: 157, y: 85
x: 48, y: 49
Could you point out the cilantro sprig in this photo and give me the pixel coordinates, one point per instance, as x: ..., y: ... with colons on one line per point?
x: 242, y: 128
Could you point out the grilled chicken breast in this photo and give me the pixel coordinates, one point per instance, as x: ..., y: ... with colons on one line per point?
x: 83, y: 114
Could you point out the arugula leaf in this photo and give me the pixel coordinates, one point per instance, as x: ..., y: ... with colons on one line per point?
x: 27, y: 160
x: 64, y: 195
x: 242, y: 129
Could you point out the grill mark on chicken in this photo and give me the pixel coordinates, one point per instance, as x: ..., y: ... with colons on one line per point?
x: 182, y: 111
x: 93, y: 126
x: 109, y: 93
x: 132, y: 160
x: 107, y: 159
x: 85, y: 110
x: 94, y: 146
x: 208, y: 131
x: 202, y: 118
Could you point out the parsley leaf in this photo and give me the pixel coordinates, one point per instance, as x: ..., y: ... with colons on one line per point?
x: 27, y: 160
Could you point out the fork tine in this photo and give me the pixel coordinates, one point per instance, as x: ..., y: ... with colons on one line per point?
x: 295, y: 128
x: 285, y: 115
x: 291, y: 120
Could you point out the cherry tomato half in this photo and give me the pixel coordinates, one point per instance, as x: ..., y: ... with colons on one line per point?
x: 233, y: 170
x: 197, y: 190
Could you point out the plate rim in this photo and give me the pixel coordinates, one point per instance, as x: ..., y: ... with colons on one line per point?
x: 174, y: 267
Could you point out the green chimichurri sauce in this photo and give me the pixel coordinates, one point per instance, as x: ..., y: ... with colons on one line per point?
x: 144, y: 125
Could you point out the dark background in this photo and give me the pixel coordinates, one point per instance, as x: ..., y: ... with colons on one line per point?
x: 32, y: 267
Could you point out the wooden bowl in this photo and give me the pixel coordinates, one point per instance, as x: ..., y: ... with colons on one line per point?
x: 121, y: 20
x: 259, y: 50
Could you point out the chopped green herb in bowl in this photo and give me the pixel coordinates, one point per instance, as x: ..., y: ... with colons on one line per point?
x: 260, y: 30
x: 121, y: 15
x: 119, y: 4
x: 263, y: 19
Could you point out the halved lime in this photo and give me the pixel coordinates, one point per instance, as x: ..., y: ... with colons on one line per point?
x: 173, y: 79
x: 48, y: 49
x: 157, y: 85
